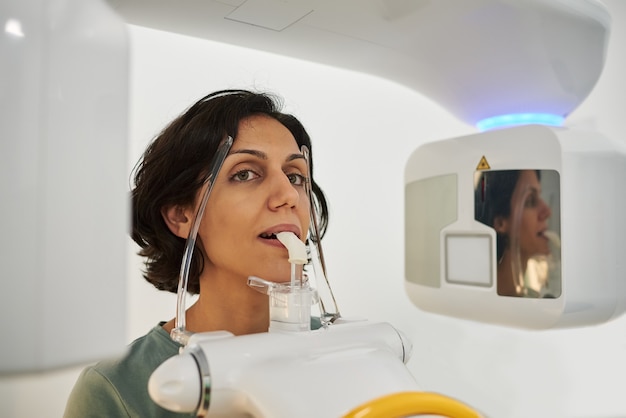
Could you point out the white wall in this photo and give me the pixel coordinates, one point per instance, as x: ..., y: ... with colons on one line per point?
x: 363, y: 130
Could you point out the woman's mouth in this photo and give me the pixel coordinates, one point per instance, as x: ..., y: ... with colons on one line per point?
x: 268, y: 236
x: 270, y: 233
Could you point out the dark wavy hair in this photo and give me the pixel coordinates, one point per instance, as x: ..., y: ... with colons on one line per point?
x: 173, y: 169
x: 492, y: 199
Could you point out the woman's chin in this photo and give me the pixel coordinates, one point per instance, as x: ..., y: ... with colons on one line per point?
x: 274, y: 276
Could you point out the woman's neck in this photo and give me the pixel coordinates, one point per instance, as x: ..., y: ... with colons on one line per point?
x: 227, y: 304
x: 507, y: 283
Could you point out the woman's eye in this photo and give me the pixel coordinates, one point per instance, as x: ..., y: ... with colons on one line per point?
x: 531, y: 201
x: 297, y: 179
x: 244, y: 175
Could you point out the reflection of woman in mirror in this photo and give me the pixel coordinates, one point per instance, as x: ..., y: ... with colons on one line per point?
x: 510, y: 202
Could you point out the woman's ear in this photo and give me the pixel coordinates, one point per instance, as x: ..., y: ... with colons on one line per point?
x: 177, y: 220
x: 501, y: 225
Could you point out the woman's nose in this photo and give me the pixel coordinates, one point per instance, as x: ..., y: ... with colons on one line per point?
x: 282, y: 192
x: 546, y: 211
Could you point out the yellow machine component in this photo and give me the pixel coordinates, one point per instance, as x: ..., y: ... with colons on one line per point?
x: 406, y: 404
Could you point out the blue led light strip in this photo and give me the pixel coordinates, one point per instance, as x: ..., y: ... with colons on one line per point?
x: 516, y: 119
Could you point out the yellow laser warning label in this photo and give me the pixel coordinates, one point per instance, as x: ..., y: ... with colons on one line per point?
x: 483, y: 164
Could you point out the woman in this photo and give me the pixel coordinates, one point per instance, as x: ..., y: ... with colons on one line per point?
x: 510, y: 202
x: 260, y: 190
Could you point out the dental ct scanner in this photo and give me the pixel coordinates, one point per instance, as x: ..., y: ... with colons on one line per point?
x: 451, y: 259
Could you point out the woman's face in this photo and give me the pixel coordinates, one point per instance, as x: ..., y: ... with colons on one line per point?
x: 259, y: 192
x: 533, y: 213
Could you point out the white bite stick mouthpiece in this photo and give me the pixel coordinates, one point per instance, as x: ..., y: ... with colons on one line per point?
x: 296, y: 248
x: 554, y: 238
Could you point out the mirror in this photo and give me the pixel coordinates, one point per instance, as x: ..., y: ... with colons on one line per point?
x: 523, y: 207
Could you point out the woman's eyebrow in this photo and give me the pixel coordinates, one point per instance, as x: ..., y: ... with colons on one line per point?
x: 295, y: 157
x: 263, y: 156
x: 256, y: 153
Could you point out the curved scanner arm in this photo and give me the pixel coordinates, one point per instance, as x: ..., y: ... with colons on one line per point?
x: 179, y: 333
x: 329, y: 312
x: 290, y: 304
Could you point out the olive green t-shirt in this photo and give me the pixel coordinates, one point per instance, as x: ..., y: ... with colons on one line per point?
x: 119, y: 387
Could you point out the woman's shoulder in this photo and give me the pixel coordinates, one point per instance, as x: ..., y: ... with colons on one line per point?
x: 141, y: 357
x: 120, y: 384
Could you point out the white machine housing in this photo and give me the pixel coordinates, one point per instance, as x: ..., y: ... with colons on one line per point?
x: 306, y: 374
x: 63, y: 182
x: 439, y: 214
